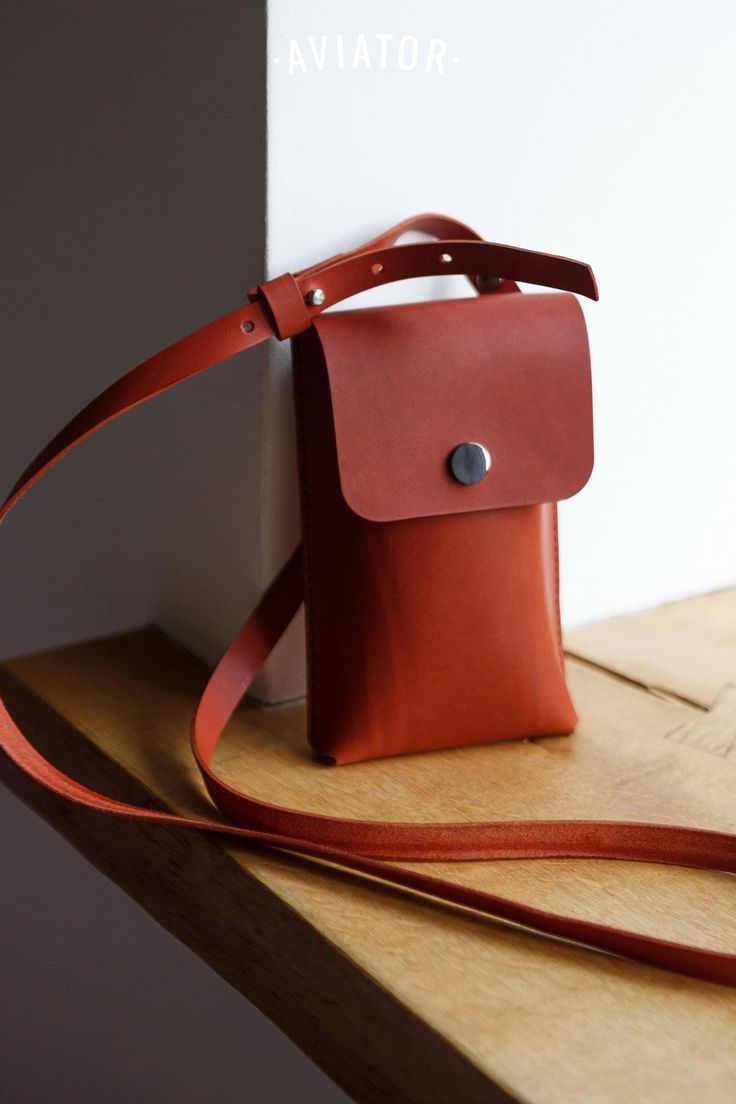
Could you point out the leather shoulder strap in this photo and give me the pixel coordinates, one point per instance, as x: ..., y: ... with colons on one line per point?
x: 281, y: 308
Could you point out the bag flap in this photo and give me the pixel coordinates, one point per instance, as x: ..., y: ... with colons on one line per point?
x: 410, y: 383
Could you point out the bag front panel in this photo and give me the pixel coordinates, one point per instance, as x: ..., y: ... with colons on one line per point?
x: 426, y: 632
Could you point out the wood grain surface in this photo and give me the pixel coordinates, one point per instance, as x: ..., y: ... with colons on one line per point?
x: 397, y: 998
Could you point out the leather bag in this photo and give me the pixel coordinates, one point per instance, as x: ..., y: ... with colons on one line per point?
x: 434, y: 442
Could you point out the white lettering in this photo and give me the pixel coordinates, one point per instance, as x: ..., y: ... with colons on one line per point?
x: 409, y: 62
x: 296, y: 58
x: 384, y: 39
x: 361, y: 55
x: 321, y: 57
x: 355, y: 52
x: 436, y: 52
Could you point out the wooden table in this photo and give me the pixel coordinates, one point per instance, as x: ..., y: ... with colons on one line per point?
x: 397, y: 998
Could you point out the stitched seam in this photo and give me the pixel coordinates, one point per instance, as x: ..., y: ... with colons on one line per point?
x: 309, y: 606
x: 557, y: 589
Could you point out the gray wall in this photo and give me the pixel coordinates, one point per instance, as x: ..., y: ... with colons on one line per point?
x: 133, y: 141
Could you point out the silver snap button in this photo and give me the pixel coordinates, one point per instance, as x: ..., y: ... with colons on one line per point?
x: 470, y: 462
x: 488, y: 283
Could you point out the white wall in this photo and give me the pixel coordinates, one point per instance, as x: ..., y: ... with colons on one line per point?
x: 600, y: 131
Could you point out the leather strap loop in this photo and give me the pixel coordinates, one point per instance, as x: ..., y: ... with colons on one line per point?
x: 364, y: 846
x: 286, y: 304
x: 438, y: 226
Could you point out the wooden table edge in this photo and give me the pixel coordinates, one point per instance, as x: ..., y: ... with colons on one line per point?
x: 361, y: 1035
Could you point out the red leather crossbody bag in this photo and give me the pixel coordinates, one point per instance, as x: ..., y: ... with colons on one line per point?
x: 435, y: 441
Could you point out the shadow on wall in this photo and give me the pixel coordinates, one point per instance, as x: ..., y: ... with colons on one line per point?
x: 134, y: 153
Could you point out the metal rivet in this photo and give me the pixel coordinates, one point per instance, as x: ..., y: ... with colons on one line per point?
x: 470, y: 462
x: 316, y: 297
x: 248, y: 327
x: 446, y: 258
x: 488, y: 283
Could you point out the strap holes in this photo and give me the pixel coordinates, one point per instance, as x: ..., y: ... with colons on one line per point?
x: 445, y: 258
x: 247, y: 327
x: 376, y: 269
